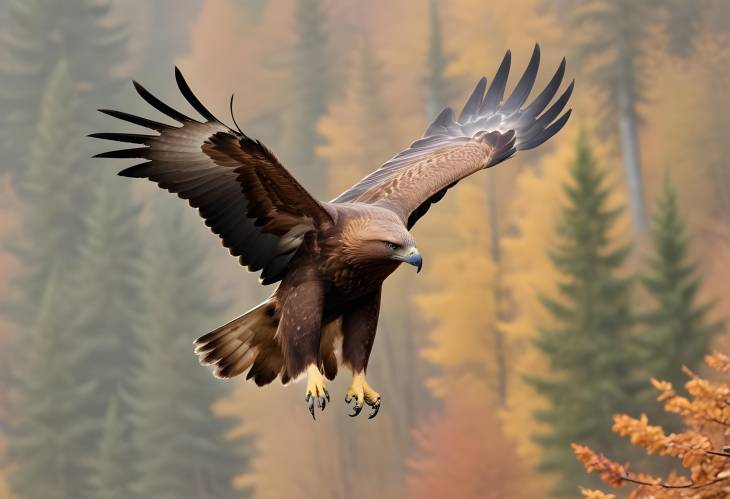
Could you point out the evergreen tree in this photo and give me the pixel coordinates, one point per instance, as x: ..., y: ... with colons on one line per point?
x: 52, y: 197
x: 589, y: 349
x: 111, y: 477
x: 439, y: 88
x: 105, y: 287
x: 38, y: 34
x: 678, y: 332
x: 180, y: 448
x: 311, y: 85
x: 45, y: 432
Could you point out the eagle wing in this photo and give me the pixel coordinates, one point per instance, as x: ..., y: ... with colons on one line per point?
x: 239, y: 187
x: 488, y: 130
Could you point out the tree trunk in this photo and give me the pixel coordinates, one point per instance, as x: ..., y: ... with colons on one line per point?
x: 631, y: 158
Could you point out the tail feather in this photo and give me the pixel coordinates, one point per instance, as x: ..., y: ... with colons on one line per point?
x: 246, y: 342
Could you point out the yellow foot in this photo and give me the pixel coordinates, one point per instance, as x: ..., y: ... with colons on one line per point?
x: 362, y: 393
x: 316, y: 392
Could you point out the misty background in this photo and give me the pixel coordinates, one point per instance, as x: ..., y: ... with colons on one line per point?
x: 554, y: 286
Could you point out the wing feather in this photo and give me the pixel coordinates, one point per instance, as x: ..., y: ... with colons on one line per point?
x: 239, y: 187
x: 489, y: 130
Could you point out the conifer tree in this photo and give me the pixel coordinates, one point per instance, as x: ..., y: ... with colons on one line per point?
x: 45, y: 432
x: 105, y: 287
x: 438, y: 87
x: 591, y: 342
x: 180, y: 447
x: 310, y: 91
x: 678, y: 332
x: 38, y: 34
x: 52, y: 196
x: 111, y: 475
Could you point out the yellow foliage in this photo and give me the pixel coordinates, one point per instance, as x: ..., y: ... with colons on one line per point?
x: 528, y: 273
x: 701, y: 448
x: 230, y: 54
x: 357, y: 130
x: 461, y: 300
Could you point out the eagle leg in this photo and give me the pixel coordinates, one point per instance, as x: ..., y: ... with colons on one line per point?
x: 316, y: 391
x: 362, y: 393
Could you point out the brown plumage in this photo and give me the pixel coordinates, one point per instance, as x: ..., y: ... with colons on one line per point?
x: 330, y: 258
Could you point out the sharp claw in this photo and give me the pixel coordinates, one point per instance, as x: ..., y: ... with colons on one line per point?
x: 357, y: 410
x: 327, y: 395
x: 310, y: 404
x: 322, y: 402
x: 376, y: 408
x: 347, y: 399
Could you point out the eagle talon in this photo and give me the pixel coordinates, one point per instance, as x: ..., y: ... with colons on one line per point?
x: 310, y: 404
x: 362, y: 394
x: 376, y: 408
x: 316, y: 392
x: 356, y: 410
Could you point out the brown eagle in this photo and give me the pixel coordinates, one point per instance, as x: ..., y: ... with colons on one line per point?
x: 329, y: 258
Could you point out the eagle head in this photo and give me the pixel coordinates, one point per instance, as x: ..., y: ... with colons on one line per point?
x: 384, y: 240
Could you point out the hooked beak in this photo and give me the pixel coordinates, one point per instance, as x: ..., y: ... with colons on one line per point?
x: 410, y: 256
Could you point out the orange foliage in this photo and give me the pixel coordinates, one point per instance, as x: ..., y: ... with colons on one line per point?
x: 701, y: 449
x: 462, y: 453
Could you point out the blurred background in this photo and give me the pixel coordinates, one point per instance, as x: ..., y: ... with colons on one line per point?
x: 554, y: 286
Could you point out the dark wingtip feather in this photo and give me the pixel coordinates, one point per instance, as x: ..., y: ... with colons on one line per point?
x: 475, y: 99
x: 131, y: 138
x: 546, y: 134
x: 191, y: 98
x: 542, y: 100
x: 524, y: 86
x: 138, y: 152
x: 159, y: 105
x: 496, y: 89
x: 136, y: 171
x: 136, y: 120
x: 443, y: 120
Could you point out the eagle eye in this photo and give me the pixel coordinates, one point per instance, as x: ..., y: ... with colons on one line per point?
x: 391, y: 245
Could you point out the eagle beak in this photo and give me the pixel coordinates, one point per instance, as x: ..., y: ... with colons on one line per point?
x: 411, y: 256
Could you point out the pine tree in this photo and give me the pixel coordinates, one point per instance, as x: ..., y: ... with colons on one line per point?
x: 105, y: 287
x: 52, y: 197
x: 678, y: 332
x: 38, y: 34
x: 180, y: 448
x: 111, y: 476
x: 591, y: 341
x: 438, y: 87
x: 45, y: 432
x: 311, y: 85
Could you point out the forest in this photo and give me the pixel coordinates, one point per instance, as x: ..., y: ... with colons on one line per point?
x: 567, y: 336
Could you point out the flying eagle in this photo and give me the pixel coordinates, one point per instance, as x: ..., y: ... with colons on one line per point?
x: 329, y: 258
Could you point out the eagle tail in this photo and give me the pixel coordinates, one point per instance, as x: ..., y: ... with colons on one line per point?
x: 245, y: 343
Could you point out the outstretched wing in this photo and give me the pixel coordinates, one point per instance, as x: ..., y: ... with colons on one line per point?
x: 245, y: 195
x: 488, y: 130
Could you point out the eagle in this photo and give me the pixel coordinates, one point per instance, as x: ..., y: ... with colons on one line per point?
x: 329, y: 258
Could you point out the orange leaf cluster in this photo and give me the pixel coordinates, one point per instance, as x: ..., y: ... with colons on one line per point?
x: 702, y: 449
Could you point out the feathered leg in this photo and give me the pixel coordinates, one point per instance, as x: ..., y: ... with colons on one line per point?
x: 359, y: 324
x: 299, y: 332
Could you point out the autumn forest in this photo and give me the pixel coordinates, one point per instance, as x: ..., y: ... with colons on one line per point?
x: 566, y: 337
